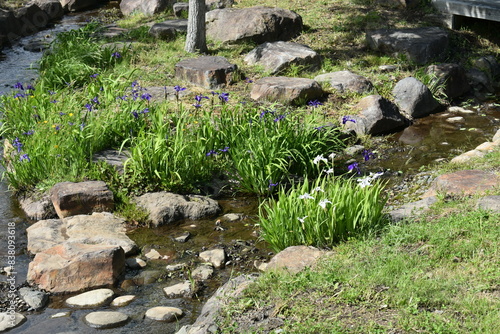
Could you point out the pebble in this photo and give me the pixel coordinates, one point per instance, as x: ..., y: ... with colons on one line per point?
x: 217, y: 257
x: 135, y: 263
x: 60, y: 315
x: 203, y: 272
x: 34, y: 298
x: 106, y: 319
x: 457, y: 119
x: 174, y: 267
x: 164, y: 313
x: 122, y: 300
x: 232, y: 217
x: 153, y: 255
x: 91, y: 298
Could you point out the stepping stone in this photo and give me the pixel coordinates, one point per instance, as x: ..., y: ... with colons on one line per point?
x: 167, y: 30
x: 489, y: 203
x: 278, y: 56
x: 286, y: 90
x: 92, y: 298
x: 106, y: 319
x: 60, y: 315
x: 210, y: 72
x: 164, y: 313
x: 412, y: 209
x: 178, y: 290
x: 421, y: 45
x: 294, y: 259
x: 123, y: 300
x: 343, y: 81
x: 464, y: 183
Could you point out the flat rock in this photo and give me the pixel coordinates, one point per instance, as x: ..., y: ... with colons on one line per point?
x: 420, y: 45
x: 210, y: 72
x: 202, y: 272
x: 167, y: 30
x: 277, y: 56
x: 164, y: 313
x: 464, y: 183
x: 257, y: 24
x: 100, y: 228
x: 106, y: 319
x: 217, y: 257
x: 232, y: 217
x: 9, y: 321
x: 343, y: 81
x: 286, y: 90
x: 412, y: 209
x: 92, y: 298
x: 178, y: 290
x: 489, y: 203
x: 165, y: 208
x: 467, y: 156
x: 38, y: 209
x: 72, y: 267
x: 294, y: 259
x: 113, y: 158
x: 146, y: 7
x: 123, y: 300
x: 70, y: 198
x: 36, y: 299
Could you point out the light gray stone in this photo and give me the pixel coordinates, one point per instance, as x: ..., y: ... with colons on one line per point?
x: 146, y: 7
x: 9, y: 321
x: 491, y: 203
x: 91, y: 298
x: 106, y: 319
x: 344, y: 81
x: 36, y: 299
x: 217, y: 257
x: 414, y: 98
x: 164, y: 313
x: 203, y: 272
x: 178, y: 290
x: 278, y: 56
x: 123, y: 300
x: 168, y: 30
x: 135, y: 263
x: 412, y: 209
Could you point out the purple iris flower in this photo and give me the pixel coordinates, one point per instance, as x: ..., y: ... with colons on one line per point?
x: 179, y: 88
x: 314, y: 103
x: 116, y: 55
x: 17, y: 144
x: 225, y: 149
x: 146, y: 96
x: 367, y: 155
x: 224, y: 97
x: 88, y: 106
x: 95, y: 100
x: 135, y: 114
x: 211, y: 152
x: 354, y: 167
x: 94, y: 75
x: 19, y: 85
x: 24, y: 157
x: 346, y: 119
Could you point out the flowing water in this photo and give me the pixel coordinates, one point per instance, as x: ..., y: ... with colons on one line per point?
x: 426, y: 141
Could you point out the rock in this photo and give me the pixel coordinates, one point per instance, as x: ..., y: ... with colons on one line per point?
x: 38, y: 209
x: 181, y: 8
x: 294, y: 259
x: 202, y: 272
x: 487, y: 146
x: 412, y: 209
x: 31, y: 19
x: 9, y: 320
x: 377, y: 116
x: 147, y: 277
x: 36, y: 46
x: 160, y: 94
x: 457, y: 119
x: 73, y: 267
x: 178, y: 290
x: 100, y: 228
x: 496, y: 137
x: 206, y: 322
x: 489, y: 65
x: 113, y: 158
x: 53, y: 8
x: 165, y: 208
x: 489, y: 203
x: 414, y: 98
x: 135, y: 263
x: 167, y: 30
x: 464, y: 183
x: 387, y: 68
x: 183, y: 237
x: 106, y: 319
x: 217, y: 257
x: 146, y: 7
x: 164, y: 313
x: 60, y: 315
x: 257, y: 24
x: 78, y: 5
x: 72, y: 199
x: 420, y: 45
x: 413, y: 135
x: 10, y: 28
x: 153, y: 255
x: 232, y: 217
x: 174, y: 267
x: 111, y: 31
x: 210, y: 72
x: 34, y: 298
x: 92, y: 298
x: 123, y: 300
x: 452, y: 77
x: 467, y: 156
x: 344, y: 81
x: 277, y: 56
x: 218, y: 4
x: 286, y: 90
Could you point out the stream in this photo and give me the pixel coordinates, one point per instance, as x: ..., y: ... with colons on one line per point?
x: 427, y: 141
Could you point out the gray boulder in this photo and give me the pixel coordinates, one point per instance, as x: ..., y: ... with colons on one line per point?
x: 146, y: 7
x: 168, y: 29
x: 378, y: 116
x: 257, y: 24
x: 343, y: 81
x: 414, y: 98
x: 286, y: 90
x: 52, y: 8
x: 165, y: 208
x: 77, y: 5
x: 71, y: 198
x: 489, y: 203
x: 210, y: 72
x: 413, y: 209
x: 36, y: 299
x: 420, y: 45
x: 452, y: 77
x: 277, y: 56
x: 31, y: 19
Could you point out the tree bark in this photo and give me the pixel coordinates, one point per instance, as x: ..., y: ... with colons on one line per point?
x: 196, y: 35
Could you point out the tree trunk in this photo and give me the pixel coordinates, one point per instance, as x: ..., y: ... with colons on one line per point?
x: 196, y: 35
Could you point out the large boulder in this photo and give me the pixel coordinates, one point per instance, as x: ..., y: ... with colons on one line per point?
x: 343, y: 81
x: 31, y: 19
x: 414, y: 98
x: 277, y: 56
x: 377, y: 116
x: 286, y: 90
x: 77, y: 5
x: 146, y: 7
x: 98, y: 228
x: 70, y: 198
x: 165, y: 208
x: 8, y: 27
x: 257, y: 24
x: 420, y: 45
x: 52, y: 8
x: 72, y: 267
x: 452, y: 77
x: 210, y: 72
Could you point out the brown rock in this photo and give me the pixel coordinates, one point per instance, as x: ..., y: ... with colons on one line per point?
x: 294, y: 259
x: 210, y: 72
x: 73, y: 267
x: 286, y: 90
x: 464, y: 183
x: 72, y: 199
